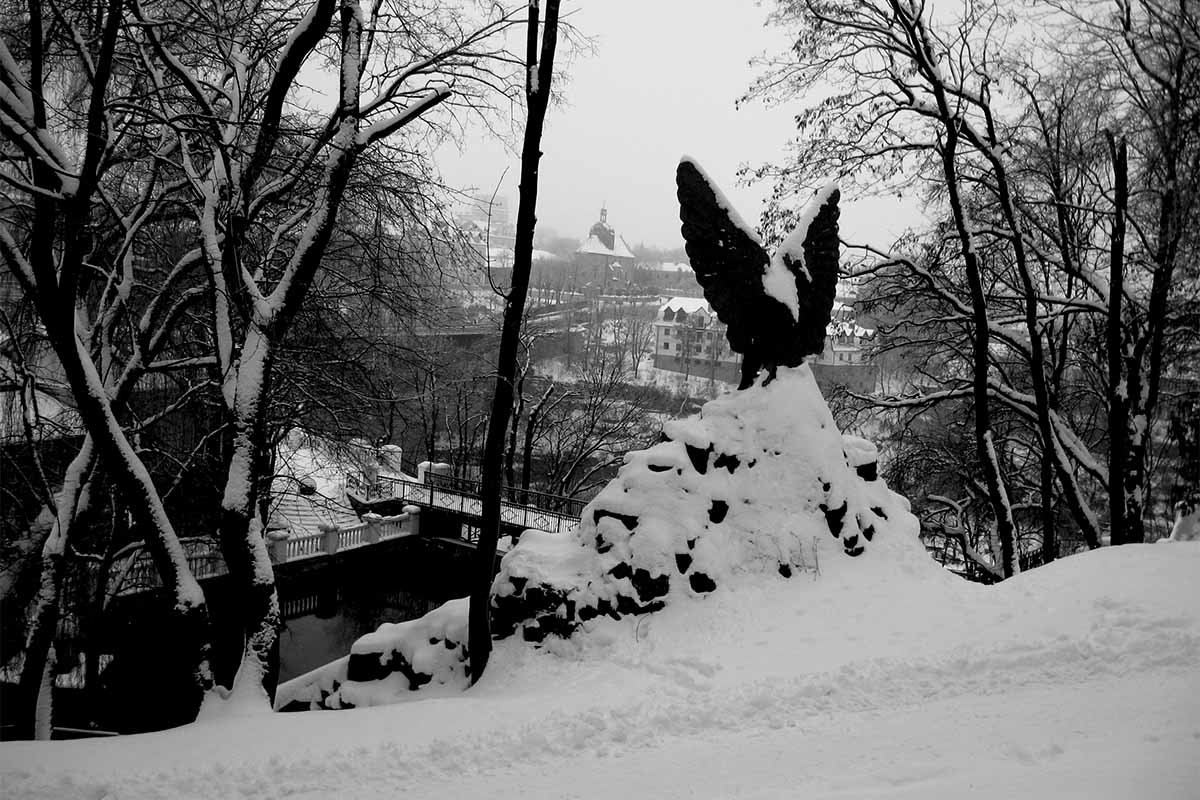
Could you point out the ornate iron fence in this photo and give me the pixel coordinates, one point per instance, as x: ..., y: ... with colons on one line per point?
x: 461, y: 495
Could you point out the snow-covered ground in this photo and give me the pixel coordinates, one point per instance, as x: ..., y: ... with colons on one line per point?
x: 884, y: 677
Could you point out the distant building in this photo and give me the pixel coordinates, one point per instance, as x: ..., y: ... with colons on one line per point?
x: 604, y: 258
x: 668, y: 278
x: 690, y: 340
x: 486, y: 228
x: 488, y: 221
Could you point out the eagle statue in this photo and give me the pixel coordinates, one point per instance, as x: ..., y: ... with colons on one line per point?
x: 775, y: 308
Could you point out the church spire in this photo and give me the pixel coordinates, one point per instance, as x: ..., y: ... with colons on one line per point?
x: 602, y: 230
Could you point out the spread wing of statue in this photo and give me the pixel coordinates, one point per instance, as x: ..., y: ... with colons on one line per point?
x: 775, y: 308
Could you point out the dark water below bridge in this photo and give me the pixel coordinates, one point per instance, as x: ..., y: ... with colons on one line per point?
x: 327, y: 605
x: 366, y: 593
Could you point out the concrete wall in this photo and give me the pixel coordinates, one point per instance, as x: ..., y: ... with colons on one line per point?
x: 728, y: 372
x: 859, y: 378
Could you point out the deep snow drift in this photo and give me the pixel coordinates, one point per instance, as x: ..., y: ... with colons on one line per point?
x: 881, y: 676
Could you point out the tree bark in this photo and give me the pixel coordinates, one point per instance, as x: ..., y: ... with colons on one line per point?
x: 530, y: 436
x: 537, y: 92
x: 42, y: 624
x: 510, y: 456
x: 1049, y: 531
x: 1118, y: 382
x: 981, y: 356
x: 242, y: 545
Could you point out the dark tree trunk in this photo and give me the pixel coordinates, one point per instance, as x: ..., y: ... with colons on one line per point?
x: 39, y: 639
x: 42, y: 620
x: 537, y: 91
x: 510, y: 456
x: 531, y: 434
x: 60, y: 244
x: 1119, y: 387
x: 981, y: 358
x: 1049, y: 532
x: 948, y: 111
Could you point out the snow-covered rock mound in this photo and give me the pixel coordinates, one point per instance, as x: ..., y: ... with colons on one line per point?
x: 428, y: 654
x: 760, y: 481
x: 1187, y: 520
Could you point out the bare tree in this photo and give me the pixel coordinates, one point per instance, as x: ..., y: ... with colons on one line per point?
x: 1031, y: 219
x: 632, y: 329
x: 197, y: 114
x: 539, y: 68
x: 582, y: 436
x: 106, y: 320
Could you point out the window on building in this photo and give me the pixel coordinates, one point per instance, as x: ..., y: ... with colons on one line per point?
x: 666, y: 345
x: 668, y: 315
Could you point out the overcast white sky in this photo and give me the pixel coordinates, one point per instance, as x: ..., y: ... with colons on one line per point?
x: 662, y: 83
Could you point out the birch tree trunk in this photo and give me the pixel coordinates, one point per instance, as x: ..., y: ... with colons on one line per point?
x: 42, y: 624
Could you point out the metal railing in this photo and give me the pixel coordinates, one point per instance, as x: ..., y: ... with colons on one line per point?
x: 461, y: 495
x: 521, y: 508
x: 138, y: 574
x: 472, y: 487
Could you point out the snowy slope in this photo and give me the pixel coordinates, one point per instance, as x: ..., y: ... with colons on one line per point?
x: 760, y: 481
x: 878, y: 679
x: 882, y: 676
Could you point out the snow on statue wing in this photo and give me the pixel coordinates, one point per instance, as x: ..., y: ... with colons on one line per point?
x: 816, y: 296
x: 731, y: 264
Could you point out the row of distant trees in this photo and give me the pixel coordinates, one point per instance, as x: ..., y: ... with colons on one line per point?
x: 576, y: 409
x: 181, y: 210
x: 1043, y: 328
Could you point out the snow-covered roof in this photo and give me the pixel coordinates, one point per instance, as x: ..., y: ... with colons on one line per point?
x: 689, y: 305
x: 673, y: 266
x: 593, y: 246
x: 500, y: 257
x: 302, y: 461
x: 835, y: 328
x: 305, y: 513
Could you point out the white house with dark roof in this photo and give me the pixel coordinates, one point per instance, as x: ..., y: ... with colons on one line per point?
x: 689, y: 340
